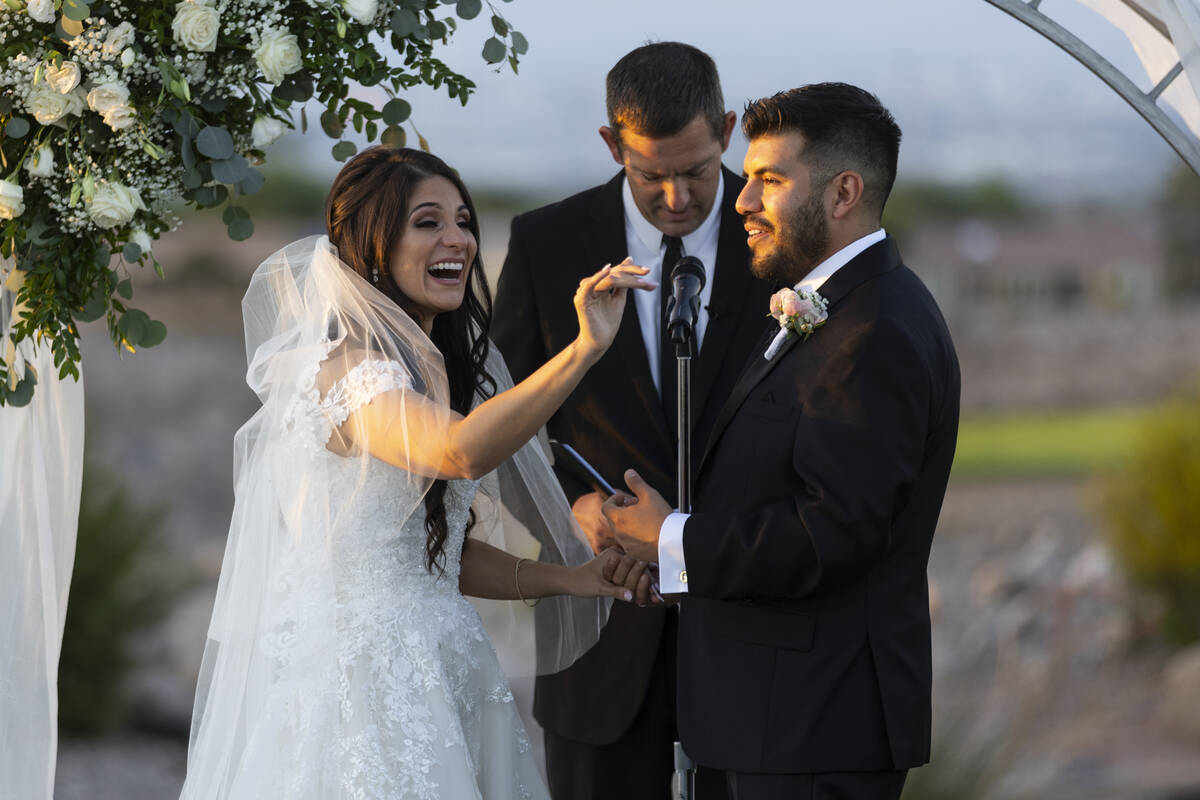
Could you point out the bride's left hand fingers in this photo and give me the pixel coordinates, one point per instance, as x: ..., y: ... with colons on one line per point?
x: 629, y: 277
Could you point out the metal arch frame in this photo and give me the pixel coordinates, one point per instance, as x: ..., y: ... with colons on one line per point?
x: 1145, y: 103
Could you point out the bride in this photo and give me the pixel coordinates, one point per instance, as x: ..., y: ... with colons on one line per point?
x: 390, y: 462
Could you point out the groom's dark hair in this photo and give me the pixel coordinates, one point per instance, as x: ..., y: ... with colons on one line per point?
x: 657, y: 89
x: 844, y: 128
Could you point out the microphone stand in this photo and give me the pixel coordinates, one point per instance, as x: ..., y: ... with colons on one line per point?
x: 682, y: 335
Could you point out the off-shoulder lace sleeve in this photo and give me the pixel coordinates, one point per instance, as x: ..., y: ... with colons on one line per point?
x: 319, y: 416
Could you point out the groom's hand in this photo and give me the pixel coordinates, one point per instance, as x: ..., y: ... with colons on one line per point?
x: 637, y: 518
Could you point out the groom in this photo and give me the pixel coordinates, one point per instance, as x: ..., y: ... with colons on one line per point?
x: 804, y: 635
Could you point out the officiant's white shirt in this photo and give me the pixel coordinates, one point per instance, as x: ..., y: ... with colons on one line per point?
x: 644, y: 243
x: 672, y: 569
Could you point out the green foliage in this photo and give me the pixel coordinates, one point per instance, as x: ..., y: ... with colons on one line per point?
x: 1151, y: 510
x: 119, y: 588
x: 1040, y: 444
x: 913, y: 203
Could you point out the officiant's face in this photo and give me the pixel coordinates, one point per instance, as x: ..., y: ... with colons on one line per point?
x: 673, y: 179
x: 787, y: 229
x: 432, y: 261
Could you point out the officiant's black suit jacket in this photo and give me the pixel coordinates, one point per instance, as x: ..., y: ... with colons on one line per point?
x: 615, y: 418
x: 804, y: 639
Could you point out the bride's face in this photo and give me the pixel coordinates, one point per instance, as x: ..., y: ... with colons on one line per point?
x: 431, y: 263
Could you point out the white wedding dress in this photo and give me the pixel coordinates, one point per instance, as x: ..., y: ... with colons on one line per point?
x: 338, y: 667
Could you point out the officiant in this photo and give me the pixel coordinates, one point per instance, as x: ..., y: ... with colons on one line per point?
x: 609, y: 720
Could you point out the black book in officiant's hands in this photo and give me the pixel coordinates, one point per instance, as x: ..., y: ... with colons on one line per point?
x: 568, y: 458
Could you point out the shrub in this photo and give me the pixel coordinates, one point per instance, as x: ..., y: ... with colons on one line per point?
x: 1151, y: 510
x: 118, y: 590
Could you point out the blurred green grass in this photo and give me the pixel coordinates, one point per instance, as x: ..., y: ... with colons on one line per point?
x: 1070, y: 443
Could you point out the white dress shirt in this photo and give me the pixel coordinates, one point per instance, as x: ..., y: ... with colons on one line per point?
x: 672, y: 569
x: 646, y: 248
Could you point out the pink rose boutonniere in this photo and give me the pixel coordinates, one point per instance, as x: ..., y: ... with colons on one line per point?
x: 798, y: 313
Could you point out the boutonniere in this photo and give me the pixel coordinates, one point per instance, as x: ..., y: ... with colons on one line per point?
x: 798, y: 313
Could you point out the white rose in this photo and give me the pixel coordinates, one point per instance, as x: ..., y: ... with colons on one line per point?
x: 265, y: 131
x: 196, y: 25
x: 278, y: 55
x: 111, y: 101
x: 113, y: 204
x: 363, y: 11
x: 128, y: 56
x: 12, y: 200
x: 41, y: 163
x: 118, y: 39
x: 64, y: 77
x: 47, y: 105
x: 142, y: 239
x: 41, y: 10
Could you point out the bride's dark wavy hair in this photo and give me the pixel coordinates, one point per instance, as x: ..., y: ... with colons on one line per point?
x: 366, y: 214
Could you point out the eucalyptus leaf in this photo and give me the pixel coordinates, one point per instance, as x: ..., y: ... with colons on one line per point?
x: 393, y: 135
x: 23, y: 392
x: 154, y: 334
x: 76, y: 10
x: 396, y: 111
x: 125, y: 287
x: 92, y: 310
x: 131, y: 253
x: 233, y: 213
x: 230, y: 170
x: 68, y: 29
x: 343, y: 150
x: 520, y: 43
x: 187, y: 155
x: 241, y: 229
x: 17, y: 128
x: 437, y: 29
x: 332, y: 126
x: 468, y: 9
x: 252, y: 182
x: 133, y: 326
x: 499, y: 26
x: 214, y: 142
x: 213, y: 104
x: 494, y: 50
x: 192, y: 179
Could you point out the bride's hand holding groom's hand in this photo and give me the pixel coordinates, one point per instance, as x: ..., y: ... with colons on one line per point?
x: 615, y: 574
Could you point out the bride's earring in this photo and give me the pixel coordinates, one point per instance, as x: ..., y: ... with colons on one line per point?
x: 375, y: 275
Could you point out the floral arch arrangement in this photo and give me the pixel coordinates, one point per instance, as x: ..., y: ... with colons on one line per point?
x: 114, y: 112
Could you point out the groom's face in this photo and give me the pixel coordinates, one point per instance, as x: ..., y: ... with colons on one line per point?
x: 673, y: 179
x: 787, y: 227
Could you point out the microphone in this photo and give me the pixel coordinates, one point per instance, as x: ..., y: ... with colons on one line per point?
x: 683, y: 306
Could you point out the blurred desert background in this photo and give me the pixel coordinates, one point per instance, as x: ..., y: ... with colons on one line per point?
x: 1061, y: 238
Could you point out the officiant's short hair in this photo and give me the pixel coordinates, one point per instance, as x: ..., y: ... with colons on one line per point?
x: 844, y: 128
x: 657, y: 89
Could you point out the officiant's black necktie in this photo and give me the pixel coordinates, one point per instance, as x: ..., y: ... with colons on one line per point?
x: 666, y: 350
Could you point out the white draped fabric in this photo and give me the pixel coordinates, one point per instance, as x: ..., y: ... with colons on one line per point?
x: 41, y: 466
x: 1163, y: 33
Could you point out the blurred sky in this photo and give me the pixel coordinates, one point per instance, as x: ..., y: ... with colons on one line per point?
x: 976, y: 92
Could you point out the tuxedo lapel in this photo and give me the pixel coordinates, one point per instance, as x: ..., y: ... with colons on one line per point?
x: 606, y: 242
x: 875, y: 260
x: 731, y: 281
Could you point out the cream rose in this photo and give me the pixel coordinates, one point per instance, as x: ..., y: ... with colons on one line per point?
x: 12, y: 200
x: 363, y: 11
x: 139, y: 237
x: 196, y: 25
x: 114, y: 204
x: 118, y: 39
x: 49, y: 105
x: 278, y: 55
x: 41, y: 10
x: 128, y: 56
x: 64, y: 77
x: 111, y: 101
x: 265, y: 131
x: 41, y: 163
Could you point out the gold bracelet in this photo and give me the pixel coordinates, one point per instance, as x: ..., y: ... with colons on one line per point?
x: 517, y: 581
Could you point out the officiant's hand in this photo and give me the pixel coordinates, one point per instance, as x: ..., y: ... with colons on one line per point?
x: 600, y: 302
x: 637, y: 518
x: 596, y: 527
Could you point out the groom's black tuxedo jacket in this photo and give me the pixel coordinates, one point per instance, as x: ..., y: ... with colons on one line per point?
x: 615, y: 418
x: 804, y: 638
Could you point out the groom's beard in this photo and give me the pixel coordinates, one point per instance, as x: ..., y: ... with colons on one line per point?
x: 799, y: 243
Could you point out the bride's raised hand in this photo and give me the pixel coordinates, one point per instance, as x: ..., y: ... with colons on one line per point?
x: 600, y: 301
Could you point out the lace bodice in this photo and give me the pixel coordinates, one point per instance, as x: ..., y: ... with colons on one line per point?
x: 418, y: 706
